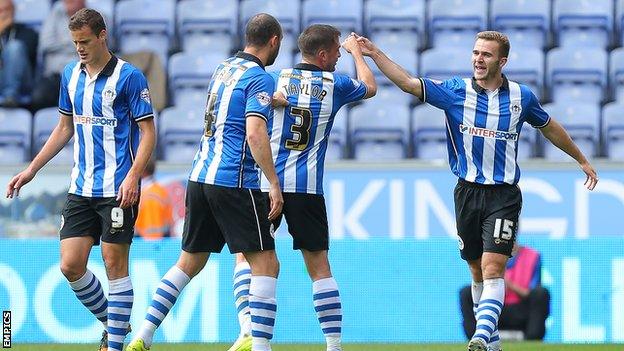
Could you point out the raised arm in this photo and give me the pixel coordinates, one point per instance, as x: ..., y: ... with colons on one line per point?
x: 397, y: 74
x: 362, y: 70
x: 61, y: 134
x: 558, y: 136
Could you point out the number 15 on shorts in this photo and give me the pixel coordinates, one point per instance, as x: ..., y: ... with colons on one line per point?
x: 503, y: 229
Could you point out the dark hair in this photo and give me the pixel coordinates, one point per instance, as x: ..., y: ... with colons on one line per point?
x: 260, y: 29
x: 317, y: 37
x: 87, y: 17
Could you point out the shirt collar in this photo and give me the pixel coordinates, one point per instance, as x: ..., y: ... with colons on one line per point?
x: 249, y: 57
x: 480, y: 89
x: 307, y: 67
x: 109, y: 68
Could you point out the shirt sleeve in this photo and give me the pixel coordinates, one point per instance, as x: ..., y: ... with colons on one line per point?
x: 259, y: 96
x: 535, y: 115
x: 439, y: 94
x: 349, y: 89
x: 65, y: 104
x: 139, y: 101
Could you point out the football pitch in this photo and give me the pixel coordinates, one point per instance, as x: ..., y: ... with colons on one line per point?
x: 511, y: 346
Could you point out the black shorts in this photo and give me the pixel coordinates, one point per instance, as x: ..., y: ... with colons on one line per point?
x: 216, y: 215
x: 99, y: 217
x: 306, y: 217
x: 487, y: 218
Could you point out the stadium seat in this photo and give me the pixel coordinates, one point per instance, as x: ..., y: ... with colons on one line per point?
x: 392, y: 95
x: 526, y: 66
x: 616, y: 73
x: 577, y: 74
x: 346, y: 15
x: 406, y: 59
x: 145, y: 25
x: 286, y: 12
x: 191, y: 72
x: 15, y: 131
x: 613, y: 130
x: 586, y: 23
x: 390, y: 41
x: 31, y: 12
x: 379, y: 132
x: 454, y: 23
x: 403, y: 17
x: 337, y: 144
x: 525, y: 22
x: 283, y: 60
x: 180, y: 133
x: 192, y: 99
x: 107, y: 9
x: 429, y: 133
x: 44, y: 122
x: 582, y: 121
x: 445, y: 63
x: 207, y: 26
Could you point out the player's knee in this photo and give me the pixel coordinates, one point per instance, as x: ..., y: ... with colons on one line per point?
x: 72, y: 270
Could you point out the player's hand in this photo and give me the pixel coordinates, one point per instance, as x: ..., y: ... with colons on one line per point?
x: 18, y: 182
x: 367, y: 46
x: 279, y: 100
x: 128, y: 191
x: 276, y: 201
x: 351, y: 45
x: 592, y: 176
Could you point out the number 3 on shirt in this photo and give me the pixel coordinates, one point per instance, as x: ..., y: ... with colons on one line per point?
x: 300, y: 129
x: 209, y: 114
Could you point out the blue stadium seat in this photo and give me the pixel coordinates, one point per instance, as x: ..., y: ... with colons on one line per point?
x: 392, y: 95
x: 346, y: 15
x: 577, y: 74
x: 396, y: 16
x: 207, y: 26
x: 613, y: 130
x: 107, y: 9
x: 180, y: 133
x: 396, y: 40
x: 616, y: 73
x: 526, y: 66
x: 619, y: 20
x: 286, y: 12
x: 337, y: 144
x: 454, y: 23
x: 15, y: 131
x: 191, y: 71
x: 44, y: 123
x: 582, y: 121
x: 406, y: 59
x: 31, y: 12
x: 283, y: 60
x: 145, y: 25
x: 191, y: 99
x: 445, y: 63
x: 525, y: 22
x: 583, y: 22
x: 379, y: 132
x: 429, y: 133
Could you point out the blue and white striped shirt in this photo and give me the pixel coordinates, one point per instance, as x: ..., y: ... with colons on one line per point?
x: 299, y: 132
x: 239, y: 88
x: 105, y: 109
x: 483, y: 127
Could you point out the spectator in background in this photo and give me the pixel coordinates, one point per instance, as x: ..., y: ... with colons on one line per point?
x: 18, y: 47
x: 527, y: 303
x: 155, y: 211
x: 56, y: 49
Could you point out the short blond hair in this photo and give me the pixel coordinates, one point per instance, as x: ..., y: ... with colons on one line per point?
x: 500, y: 38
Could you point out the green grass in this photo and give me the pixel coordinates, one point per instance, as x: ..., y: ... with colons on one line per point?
x: 510, y: 346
